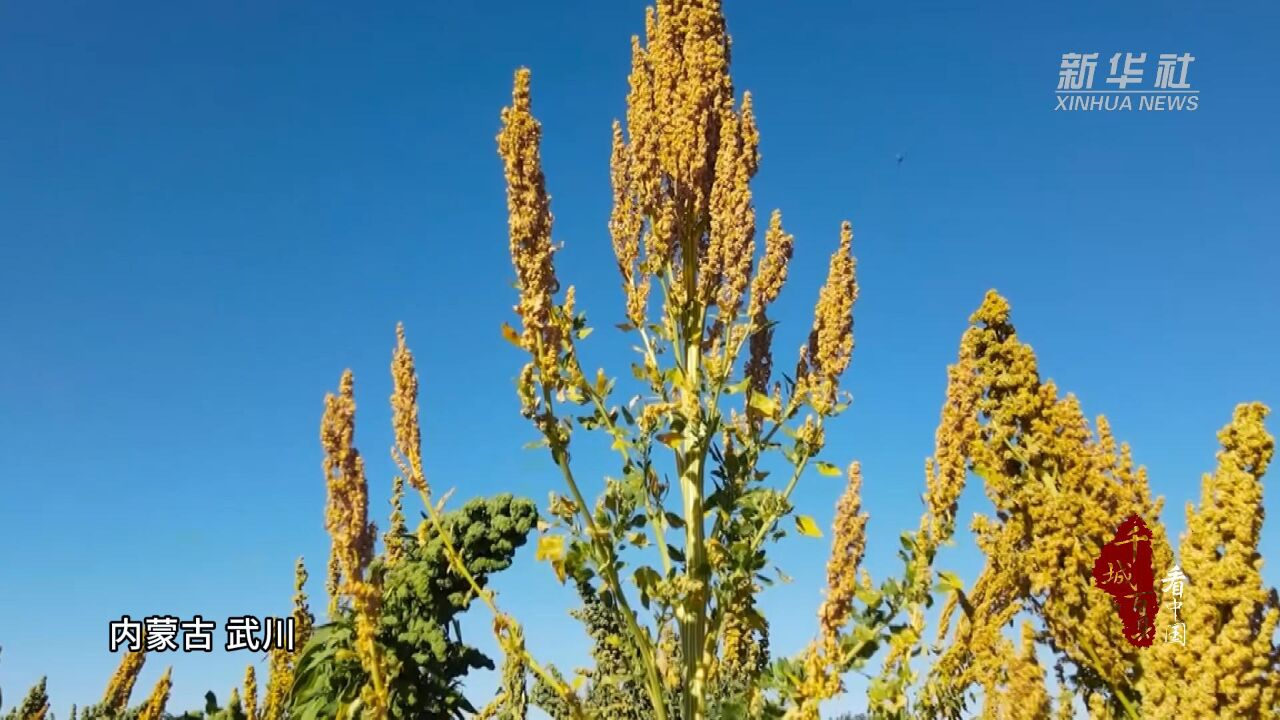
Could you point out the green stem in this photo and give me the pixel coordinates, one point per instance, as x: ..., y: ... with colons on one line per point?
x: 654, y: 521
x: 606, y: 559
x: 692, y: 464
x: 786, y: 495
x: 1129, y: 707
x: 609, y: 571
x: 695, y: 616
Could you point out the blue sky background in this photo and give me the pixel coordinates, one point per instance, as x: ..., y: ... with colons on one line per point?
x: 208, y: 210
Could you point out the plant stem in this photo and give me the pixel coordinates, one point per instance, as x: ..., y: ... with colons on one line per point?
x: 786, y: 494
x: 1130, y: 709
x: 609, y: 571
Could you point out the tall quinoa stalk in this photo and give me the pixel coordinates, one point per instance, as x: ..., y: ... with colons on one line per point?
x: 352, y: 538
x: 707, y: 410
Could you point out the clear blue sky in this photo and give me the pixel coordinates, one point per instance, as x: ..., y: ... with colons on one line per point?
x: 208, y: 210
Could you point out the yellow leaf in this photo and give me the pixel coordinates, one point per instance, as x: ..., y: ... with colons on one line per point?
x: 511, y: 335
x: 675, y: 376
x: 764, y: 404
x: 670, y: 439
x: 550, y: 547
x: 826, y: 468
x: 807, y: 526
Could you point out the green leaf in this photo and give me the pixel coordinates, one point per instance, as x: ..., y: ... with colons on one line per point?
x: 869, y: 596
x: 826, y: 468
x: 645, y: 578
x: 584, y: 332
x: 807, y: 526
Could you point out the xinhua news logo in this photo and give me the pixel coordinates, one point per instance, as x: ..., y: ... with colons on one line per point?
x: 1127, y: 86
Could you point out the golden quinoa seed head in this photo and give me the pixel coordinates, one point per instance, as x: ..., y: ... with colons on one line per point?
x: 407, y: 432
x: 642, y: 154
x: 725, y: 267
x: 279, y: 683
x: 333, y: 583
x: 529, y: 225
x: 830, y: 344
x: 759, y: 366
x: 994, y: 310
x: 300, y: 577
x: 153, y: 709
x: 818, y: 680
x: 835, y: 311
x: 1042, y: 467
x: 120, y: 686
x: 303, y: 620
x: 279, y: 661
x: 848, y: 544
x: 250, y: 693
x: 946, y: 472
x: 772, y: 275
x: 1022, y: 695
x: 393, y: 539
x: 626, y: 225
x: 1227, y: 668
x: 352, y: 535
x: 687, y: 156
x: 750, y: 135
x: 404, y: 412
x: 1247, y: 447
x: 347, y: 510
